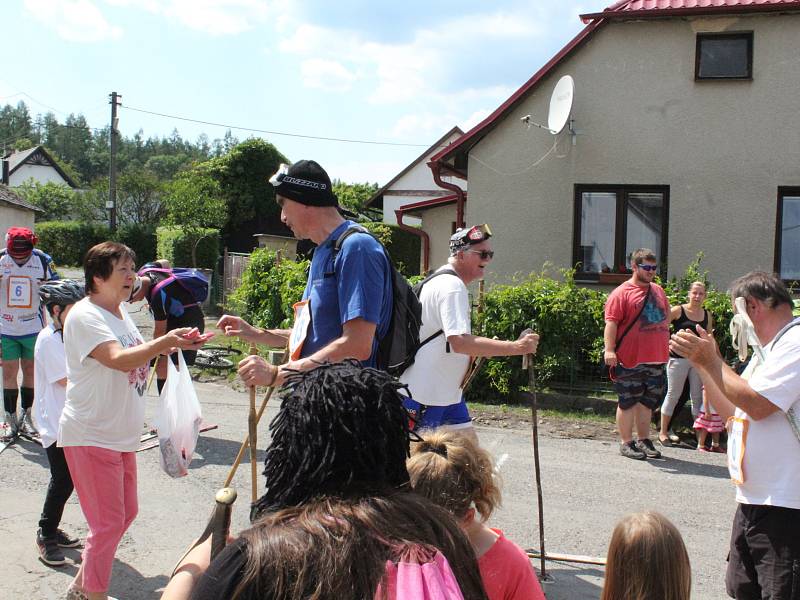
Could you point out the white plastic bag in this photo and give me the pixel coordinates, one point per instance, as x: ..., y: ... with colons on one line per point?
x: 178, y: 419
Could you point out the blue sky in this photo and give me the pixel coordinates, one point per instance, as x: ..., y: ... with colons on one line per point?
x: 400, y: 72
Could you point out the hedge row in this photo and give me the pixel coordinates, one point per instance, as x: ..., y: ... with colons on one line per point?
x: 176, y: 246
x: 68, y: 241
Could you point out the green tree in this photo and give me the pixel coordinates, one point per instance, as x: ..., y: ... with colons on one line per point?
x: 56, y: 200
x: 354, y: 196
x: 140, y: 197
x: 243, y: 177
x: 194, y: 202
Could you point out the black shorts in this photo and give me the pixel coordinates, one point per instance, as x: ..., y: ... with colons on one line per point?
x: 764, y: 558
x: 192, y: 317
x: 643, y: 384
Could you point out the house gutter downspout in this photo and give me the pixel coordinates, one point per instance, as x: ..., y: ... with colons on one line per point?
x: 426, y: 240
x: 435, y: 168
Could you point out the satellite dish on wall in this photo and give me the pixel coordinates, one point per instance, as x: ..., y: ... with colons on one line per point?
x: 561, y: 104
x: 560, y: 107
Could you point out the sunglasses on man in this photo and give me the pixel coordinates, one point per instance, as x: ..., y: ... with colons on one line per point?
x: 484, y: 254
x: 647, y: 267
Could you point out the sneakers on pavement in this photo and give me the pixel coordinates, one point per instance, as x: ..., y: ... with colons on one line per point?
x: 630, y: 450
x: 11, y: 428
x: 65, y: 540
x: 49, y: 552
x: 646, y: 446
x: 26, y: 424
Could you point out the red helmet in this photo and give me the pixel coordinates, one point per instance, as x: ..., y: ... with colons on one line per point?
x: 20, y: 242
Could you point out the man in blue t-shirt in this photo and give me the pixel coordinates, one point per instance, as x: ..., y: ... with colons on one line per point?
x: 347, y: 303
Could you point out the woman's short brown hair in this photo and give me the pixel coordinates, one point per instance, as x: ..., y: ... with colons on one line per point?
x: 647, y: 559
x: 100, y: 259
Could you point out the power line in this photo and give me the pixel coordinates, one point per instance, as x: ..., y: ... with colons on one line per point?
x: 297, y: 135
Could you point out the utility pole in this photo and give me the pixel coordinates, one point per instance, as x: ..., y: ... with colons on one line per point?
x: 111, y: 205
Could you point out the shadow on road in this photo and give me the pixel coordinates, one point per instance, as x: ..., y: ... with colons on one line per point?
x: 677, y: 466
x: 216, y: 451
x: 568, y: 582
x: 128, y: 583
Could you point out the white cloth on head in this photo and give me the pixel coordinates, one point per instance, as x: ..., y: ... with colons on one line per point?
x: 435, y: 377
x: 104, y: 407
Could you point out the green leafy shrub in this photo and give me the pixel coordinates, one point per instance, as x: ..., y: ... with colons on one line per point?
x: 268, y: 292
x: 175, y: 245
x: 403, y: 246
x: 68, y: 241
x: 569, y: 319
x: 139, y: 238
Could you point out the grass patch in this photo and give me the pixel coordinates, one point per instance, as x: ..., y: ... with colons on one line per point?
x: 524, y: 412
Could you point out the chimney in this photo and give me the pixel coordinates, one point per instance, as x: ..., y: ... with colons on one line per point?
x: 4, y: 179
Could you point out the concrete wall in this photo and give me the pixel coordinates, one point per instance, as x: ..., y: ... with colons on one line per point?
x: 39, y: 173
x: 11, y: 216
x: 438, y: 224
x: 722, y: 147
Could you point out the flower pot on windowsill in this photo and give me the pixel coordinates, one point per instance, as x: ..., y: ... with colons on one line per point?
x: 613, y: 278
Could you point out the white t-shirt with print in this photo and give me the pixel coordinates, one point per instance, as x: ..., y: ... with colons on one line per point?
x: 50, y: 366
x: 105, y: 407
x: 435, y: 377
x: 771, y: 462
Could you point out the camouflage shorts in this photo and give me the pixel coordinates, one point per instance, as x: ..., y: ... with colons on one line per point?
x: 642, y: 383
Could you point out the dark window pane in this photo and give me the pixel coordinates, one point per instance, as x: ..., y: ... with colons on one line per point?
x: 790, y: 238
x: 645, y: 223
x: 598, y: 228
x: 724, y: 57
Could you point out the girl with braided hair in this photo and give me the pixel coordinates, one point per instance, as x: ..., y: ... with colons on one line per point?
x: 338, y: 505
x: 455, y: 473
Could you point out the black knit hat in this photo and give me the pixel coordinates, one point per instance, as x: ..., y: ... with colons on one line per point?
x: 304, y: 182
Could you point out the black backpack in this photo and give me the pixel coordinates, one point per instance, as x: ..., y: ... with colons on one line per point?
x: 396, y: 349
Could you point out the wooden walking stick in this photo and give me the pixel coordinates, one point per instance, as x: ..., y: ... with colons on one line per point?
x: 252, y: 426
x: 527, y: 363
x: 219, y: 524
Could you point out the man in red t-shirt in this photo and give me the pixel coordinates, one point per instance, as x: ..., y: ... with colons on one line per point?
x: 636, y: 340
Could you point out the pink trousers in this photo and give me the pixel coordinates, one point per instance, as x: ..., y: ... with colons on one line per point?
x: 106, y: 484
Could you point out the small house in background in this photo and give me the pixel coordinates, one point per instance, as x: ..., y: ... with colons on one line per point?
x: 286, y: 245
x: 683, y: 138
x: 14, y: 211
x: 36, y: 164
x: 415, y: 201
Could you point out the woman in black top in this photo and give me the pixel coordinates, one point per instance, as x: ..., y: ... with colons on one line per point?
x: 684, y: 316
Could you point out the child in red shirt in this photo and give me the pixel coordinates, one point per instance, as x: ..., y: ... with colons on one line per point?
x: 455, y: 473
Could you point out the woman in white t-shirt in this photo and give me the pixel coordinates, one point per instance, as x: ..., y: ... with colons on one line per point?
x: 107, y: 368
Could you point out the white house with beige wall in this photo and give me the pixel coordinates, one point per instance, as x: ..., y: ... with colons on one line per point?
x: 688, y: 140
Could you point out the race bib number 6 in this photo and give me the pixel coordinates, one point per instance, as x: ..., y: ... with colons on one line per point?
x: 19, y: 292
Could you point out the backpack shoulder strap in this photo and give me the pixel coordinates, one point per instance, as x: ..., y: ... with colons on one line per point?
x: 337, y: 246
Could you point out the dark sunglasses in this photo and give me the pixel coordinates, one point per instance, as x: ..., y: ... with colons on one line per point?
x: 485, y: 254
x: 648, y: 267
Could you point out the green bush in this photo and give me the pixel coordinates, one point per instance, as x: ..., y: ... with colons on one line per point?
x: 569, y: 319
x: 68, y: 241
x: 176, y: 246
x: 268, y: 292
x: 403, y: 246
x: 139, y: 238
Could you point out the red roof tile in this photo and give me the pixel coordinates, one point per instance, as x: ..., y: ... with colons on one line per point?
x: 627, y: 9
